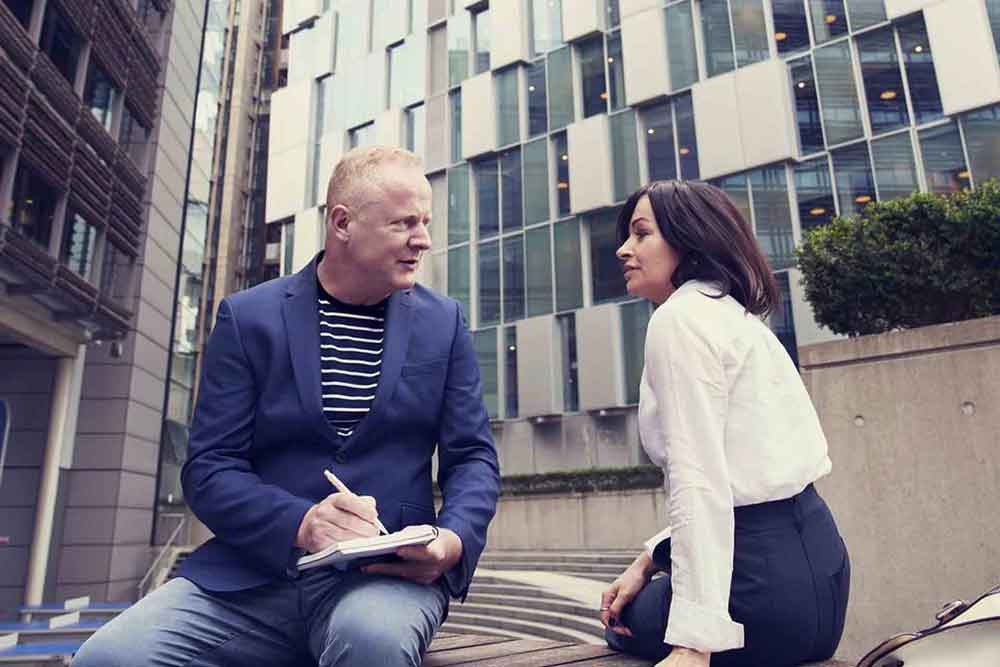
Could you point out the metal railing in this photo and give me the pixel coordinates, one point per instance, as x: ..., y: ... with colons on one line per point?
x: 159, y: 557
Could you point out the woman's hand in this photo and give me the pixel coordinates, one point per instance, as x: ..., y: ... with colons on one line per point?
x: 623, y: 590
x: 685, y: 657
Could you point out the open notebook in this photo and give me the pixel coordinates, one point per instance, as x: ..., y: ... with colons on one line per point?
x: 364, y: 547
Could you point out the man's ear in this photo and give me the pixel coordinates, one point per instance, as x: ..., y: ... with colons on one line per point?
x: 337, y: 220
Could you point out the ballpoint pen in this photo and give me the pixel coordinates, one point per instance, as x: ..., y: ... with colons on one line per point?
x: 340, y: 486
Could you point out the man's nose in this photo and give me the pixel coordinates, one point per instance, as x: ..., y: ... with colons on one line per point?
x: 422, y: 238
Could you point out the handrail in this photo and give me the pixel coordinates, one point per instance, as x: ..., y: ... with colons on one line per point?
x: 159, y: 557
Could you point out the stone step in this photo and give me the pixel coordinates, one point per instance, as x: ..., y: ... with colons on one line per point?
x: 622, y: 558
x: 39, y: 655
x: 96, y: 611
x: 520, y: 602
x: 566, y: 619
x: 485, y: 624
x: 603, y: 569
x: 514, y: 589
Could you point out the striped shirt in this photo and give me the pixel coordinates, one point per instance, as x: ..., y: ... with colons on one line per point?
x: 350, y: 353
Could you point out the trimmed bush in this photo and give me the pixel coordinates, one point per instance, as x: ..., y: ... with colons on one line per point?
x: 903, y: 263
x: 583, y: 481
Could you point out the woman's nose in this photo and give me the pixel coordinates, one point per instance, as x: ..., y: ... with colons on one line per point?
x: 623, y: 251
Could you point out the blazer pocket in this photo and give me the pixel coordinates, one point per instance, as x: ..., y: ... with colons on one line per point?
x: 411, y: 514
x: 425, y: 367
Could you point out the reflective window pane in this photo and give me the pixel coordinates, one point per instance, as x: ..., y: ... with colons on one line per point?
x: 982, y: 137
x: 718, y: 36
x: 569, y: 280
x: 944, y: 162
x: 919, y: 63
x: 458, y: 277
x: 513, y: 278
x: 489, y: 282
x: 835, y: 76
x: 487, y: 198
x: 562, y: 172
x: 458, y: 204
x: 595, y: 93
x: 687, y: 142
x: 537, y: 108
x: 829, y: 19
x: 536, y: 182
x: 635, y: 319
x: 749, y: 32
x: 546, y: 25
x: 60, y: 42
x: 853, y: 171
x: 781, y: 321
x: 560, y: 83
x: 616, y: 71
x: 624, y: 154
x: 510, y: 373
x: 79, y: 241
x: 416, y: 129
x: 815, y: 193
x: 895, y: 171
x: 772, y: 215
x: 735, y: 188
x: 864, y: 13
x: 455, y: 101
x: 481, y: 33
x: 607, y: 282
x: 883, y: 81
x: 612, y: 13
x: 661, y: 152
x: 510, y: 190
x: 459, y: 45
x: 806, y: 107
x: 538, y: 265
x: 790, y: 29
x: 680, y: 46
x: 485, y: 344
x: 99, y: 94
x: 439, y: 210
x: 567, y: 339
x: 993, y: 10
x: 508, y: 118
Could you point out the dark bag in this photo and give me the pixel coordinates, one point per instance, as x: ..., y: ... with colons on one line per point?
x: 966, y: 635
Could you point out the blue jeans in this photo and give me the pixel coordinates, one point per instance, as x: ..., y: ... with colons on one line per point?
x: 327, y: 617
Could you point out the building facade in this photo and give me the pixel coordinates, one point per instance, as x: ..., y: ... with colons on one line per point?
x: 536, y: 119
x: 96, y: 110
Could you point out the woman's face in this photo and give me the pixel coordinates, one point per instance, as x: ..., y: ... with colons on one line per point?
x: 647, y: 259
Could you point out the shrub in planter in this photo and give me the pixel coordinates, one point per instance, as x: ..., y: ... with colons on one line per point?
x: 909, y: 262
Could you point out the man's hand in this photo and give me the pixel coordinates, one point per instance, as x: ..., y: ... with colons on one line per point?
x: 338, y: 517
x: 423, y: 564
x: 685, y: 657
x: 623, y: 590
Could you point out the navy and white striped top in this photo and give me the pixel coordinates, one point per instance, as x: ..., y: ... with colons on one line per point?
x: 351, y: 343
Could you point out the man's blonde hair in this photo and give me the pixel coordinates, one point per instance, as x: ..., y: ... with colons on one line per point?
x: 358, y: 170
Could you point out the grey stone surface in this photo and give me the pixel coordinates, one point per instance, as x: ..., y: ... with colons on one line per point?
x: 88, y: 525
x: 18, y: 525
x: 19, y: 488
x: 548, y: 446
x: 93, y: 488
x: 26, y: 449
x: 515, y: 448
x: 13, y: 565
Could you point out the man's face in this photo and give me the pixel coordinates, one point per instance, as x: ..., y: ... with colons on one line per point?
x: 389, y: 232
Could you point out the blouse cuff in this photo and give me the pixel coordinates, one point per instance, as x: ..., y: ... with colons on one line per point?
x: 698, y: 627
x: 655, y: 540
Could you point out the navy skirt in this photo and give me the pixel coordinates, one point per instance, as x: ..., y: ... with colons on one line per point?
x: 791, y: 577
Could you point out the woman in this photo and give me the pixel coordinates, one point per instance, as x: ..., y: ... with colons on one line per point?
x: 756, y: 573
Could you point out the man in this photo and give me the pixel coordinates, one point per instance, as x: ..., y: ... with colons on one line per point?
x: 347, y: 365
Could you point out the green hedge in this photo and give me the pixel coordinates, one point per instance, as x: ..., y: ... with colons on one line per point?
x: 903, y: 263
x: 581, y: 481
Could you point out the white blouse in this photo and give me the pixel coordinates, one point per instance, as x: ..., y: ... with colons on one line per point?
x: 723, y: 411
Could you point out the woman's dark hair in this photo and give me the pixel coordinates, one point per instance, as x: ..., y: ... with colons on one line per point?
x: 712, y: 239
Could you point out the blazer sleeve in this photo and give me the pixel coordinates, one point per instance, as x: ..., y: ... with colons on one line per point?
x: 468, y: 471
x: 220, y: 485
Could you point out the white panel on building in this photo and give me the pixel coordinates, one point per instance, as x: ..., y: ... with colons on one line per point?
x: 509, y: 45
x: 807, y: 330
x: 395, y: 25
x: 437, y: 149
x: 644, y: 36
x: 287, y: 179
x: 389, y: 128
x: 581, y: 18
x: 479, y: 116
x: 291, y: 109
x: 308, y: 235
x: 716, y: 110
x: 630, y: 7
x: 590, y: 178
x: 538, y: 349
x: 331, y: 149
x: 600, y: 369
x: 897, y: 8
x: 965, y: 57
x: 297, y: 12
x: 324, y: 45
x: 763, y: 92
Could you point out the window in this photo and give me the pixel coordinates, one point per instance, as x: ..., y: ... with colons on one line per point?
x: 33, y: 206
x: 883, y: 81
x: 718, y: 37
x: 481, y: 41
x: 772, y: 216
x: 612, y: 13
x: 865, y: 13
x: 546, y: 25
x: 485, y: 344
x: 78, y: 242
x: 508, y: 116
x: 749, y: 32
x: 567, y: 340
x: 538, y: 122
x: 835, y: 76
x: 363, y: 135
x: 661, y: 151
x: 982, y: 137
x: 511, y: 204
x: 919, y: 63
x: 993, y: 10
x: 560, y: 84
x: 60, y: 42
x: 634, y: 321
x: 616, y: 71
x: 459, y: 43
x: 455, y: 102
x: 607, y: 282
x: 538, y: 267
x: 595, y: 93
x: 458, y: 205
x: 561, y: 148
x: 895, y: 172
x: 687, y: 142
x: 806, y: 107
x: 737, y: 190
x: 288, y: 243
x: 319, y: 116
x: 510, y: 372
x: 513, y: 278
x: 624, y: 154
x: 487, y: 198
x: 855, y: 186
x: 680, y: 46
x: 416, y: 130
x: 781, y: 321
x: 536, y: 182
x: 396, y: 75
x: 115, y: 273
x: 21, y: 10
x: 790, y: 29
x: 489, y: 282
x: 815, y: 193
x: 569, y: 280
x: 944, y: 161
x: 134, y: 136
x: 829, y: 19
x: 458, y: 277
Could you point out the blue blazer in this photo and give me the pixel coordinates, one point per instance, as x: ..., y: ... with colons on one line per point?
x: 260, y: 441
